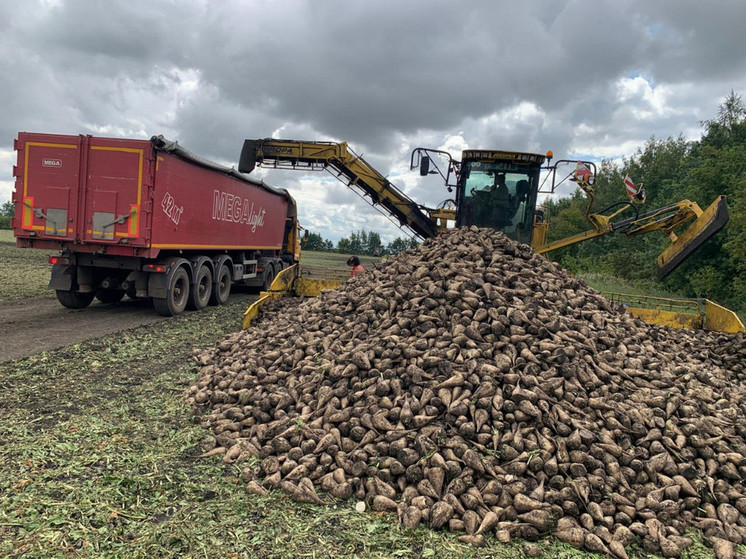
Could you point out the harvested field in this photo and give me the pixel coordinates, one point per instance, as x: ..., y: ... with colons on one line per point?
x: 24, y: 272
x: 492, y: 395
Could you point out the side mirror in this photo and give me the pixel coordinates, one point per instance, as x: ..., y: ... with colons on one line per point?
x: 424, y: 166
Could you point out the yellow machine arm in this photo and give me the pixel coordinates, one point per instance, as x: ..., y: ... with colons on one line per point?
x: 667, y: 219
x: 351, y: 169
x: 301, y: 282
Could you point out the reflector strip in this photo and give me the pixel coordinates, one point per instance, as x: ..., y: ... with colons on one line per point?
x: 27, y: 221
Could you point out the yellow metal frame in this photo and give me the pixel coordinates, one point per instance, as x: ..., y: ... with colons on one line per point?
x: 692, y: 314
x: 301, y: 282
x: 312, y: 281
x: 294, y: 154
x: 706, y: 223
x: 720, y: 319
x: 281, y: 285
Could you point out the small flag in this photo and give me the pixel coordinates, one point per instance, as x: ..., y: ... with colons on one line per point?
x: 630, y: 186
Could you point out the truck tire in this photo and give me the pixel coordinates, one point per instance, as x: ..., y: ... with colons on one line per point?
x: 74, y: 299
x: 221, y: 289
x: 269, y: 276
x: 108, y: 296
x: 177, y: 295
x: 201, y: 289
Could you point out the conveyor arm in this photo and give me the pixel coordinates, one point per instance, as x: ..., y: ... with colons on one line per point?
x: 350, y: 169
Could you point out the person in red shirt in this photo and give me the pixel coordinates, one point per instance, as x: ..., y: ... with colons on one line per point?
x: 356, y: 267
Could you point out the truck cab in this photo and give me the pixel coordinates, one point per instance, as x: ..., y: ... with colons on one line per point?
x: 498, y: 189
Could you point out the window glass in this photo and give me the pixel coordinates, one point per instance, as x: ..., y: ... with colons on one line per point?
x: 498, y: 195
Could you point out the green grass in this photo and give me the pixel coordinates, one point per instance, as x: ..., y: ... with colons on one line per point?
x: 24, y: 272
x: 611, y: 284
x: 333, y: 259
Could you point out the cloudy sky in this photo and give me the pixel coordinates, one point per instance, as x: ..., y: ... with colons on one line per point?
x: 590, y: 79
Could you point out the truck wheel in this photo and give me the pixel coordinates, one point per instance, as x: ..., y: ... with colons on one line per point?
x: 221, y: 289
x: 269, y: 277
x: 110, y: 295
x: 74, y: 299
x: 177, y: 295
x: 199, y: 294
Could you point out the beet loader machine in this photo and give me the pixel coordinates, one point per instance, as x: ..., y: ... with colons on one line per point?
x: 498, y: 189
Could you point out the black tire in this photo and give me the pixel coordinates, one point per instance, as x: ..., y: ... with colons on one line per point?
x: 74, y: 299
x: 201, y: 289
x: 177, y: 295
x: 221, y: 288
x: 269, y: 277
x: 109, y: 296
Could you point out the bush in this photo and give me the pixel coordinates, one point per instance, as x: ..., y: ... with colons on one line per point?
x: 4, y: 222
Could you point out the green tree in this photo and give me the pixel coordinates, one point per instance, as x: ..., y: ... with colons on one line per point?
x: 374, y: 246
x: 318, y: 243
x: 351, y: 244
x: 7, y: 209
x: 400, y: 245
x: 362, y: 242
x: 718, y: 167
x: 672, y: 170
x: 6, y: 213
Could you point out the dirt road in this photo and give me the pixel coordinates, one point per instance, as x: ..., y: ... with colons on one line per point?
x: 41, y: 324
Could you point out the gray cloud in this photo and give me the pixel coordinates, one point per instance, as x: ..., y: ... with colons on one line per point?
x: 584, y: 78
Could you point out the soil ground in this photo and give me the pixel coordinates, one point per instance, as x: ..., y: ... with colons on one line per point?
x: 30, y: 326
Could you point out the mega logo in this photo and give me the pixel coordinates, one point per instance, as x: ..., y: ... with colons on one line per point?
x: 51, y: 162
x: 228, y: 207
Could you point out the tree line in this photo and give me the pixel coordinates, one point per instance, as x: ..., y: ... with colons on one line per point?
x: 360, y: 242
x: 672, y: 170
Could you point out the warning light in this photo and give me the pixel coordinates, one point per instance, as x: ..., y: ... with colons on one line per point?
x: 157, y: 268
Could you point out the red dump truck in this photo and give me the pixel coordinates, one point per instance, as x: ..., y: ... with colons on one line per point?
x: 147, y: 218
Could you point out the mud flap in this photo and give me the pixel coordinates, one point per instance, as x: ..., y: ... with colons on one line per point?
x: 62, y: 277
x: 158, y: 282
x: 712, y: 220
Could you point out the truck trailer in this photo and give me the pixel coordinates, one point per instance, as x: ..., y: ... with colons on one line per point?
x: 147, y: 219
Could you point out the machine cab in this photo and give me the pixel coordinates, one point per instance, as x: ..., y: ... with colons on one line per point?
x: 498, y: 189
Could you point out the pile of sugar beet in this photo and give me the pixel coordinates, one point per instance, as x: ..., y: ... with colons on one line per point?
x: 470, y: 384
